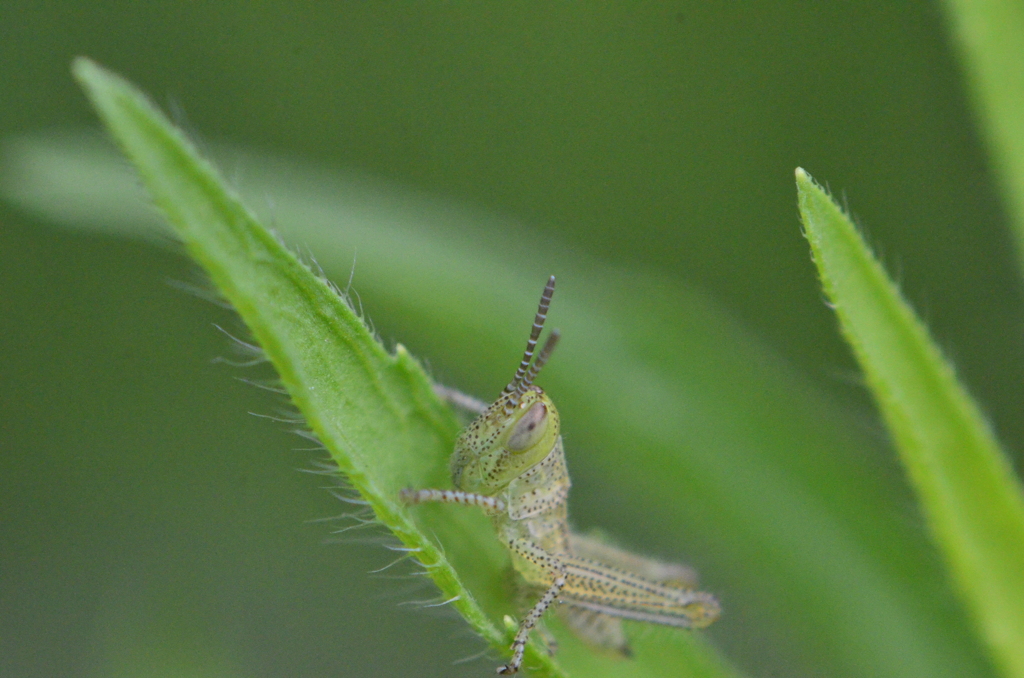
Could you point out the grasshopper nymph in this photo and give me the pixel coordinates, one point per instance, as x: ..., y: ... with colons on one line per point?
x: 510, y: 462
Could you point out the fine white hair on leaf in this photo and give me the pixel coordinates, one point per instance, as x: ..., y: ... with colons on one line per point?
x: 398, y: 574
x: 272, y: 385
x: 322, y: 469
x: 281, y: 417
x: 206, y: 292
x: 309, y: 435
x: 482, y: 654
x: 431, y: 603
x: 318, y: 270
x: 356, y: 526
x: 236, y: 363
x: 404, y: 549
x: 245, y: 345
x: 351, y: 274
x: 328, y: 519
x: 394, y: 562
x: 349, y: 500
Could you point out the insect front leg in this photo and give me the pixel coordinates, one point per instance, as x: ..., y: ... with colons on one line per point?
x: 536, y: 565
x: 490, y: 504
x: 459, y: 399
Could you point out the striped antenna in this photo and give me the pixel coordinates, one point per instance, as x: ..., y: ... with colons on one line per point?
x: 538, y: 324
x: 542, y: 358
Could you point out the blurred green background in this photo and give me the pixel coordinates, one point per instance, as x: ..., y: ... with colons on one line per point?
x: 150, y: 526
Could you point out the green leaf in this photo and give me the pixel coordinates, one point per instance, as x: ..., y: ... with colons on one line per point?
x: 375, y: 412
x: 990, y: 36
x: 969, y: 495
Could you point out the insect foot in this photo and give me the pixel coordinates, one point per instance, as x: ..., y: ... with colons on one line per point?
x: 511, y: 463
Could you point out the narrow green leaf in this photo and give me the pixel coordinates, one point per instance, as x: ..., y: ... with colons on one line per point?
x: 990, y: 35
x: 375, y: 412
x: 968, y: 492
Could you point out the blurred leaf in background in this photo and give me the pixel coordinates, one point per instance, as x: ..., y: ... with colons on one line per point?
x: 151, y: 526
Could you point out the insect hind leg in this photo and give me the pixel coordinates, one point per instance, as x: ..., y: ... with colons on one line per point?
x: 594, y: 547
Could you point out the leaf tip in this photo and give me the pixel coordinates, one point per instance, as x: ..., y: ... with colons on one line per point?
x: 804, y: 181
x: 92, y: 78
x: 84, y: 69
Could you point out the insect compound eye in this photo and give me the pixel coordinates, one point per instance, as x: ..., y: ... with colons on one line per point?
x: 530, y: 429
